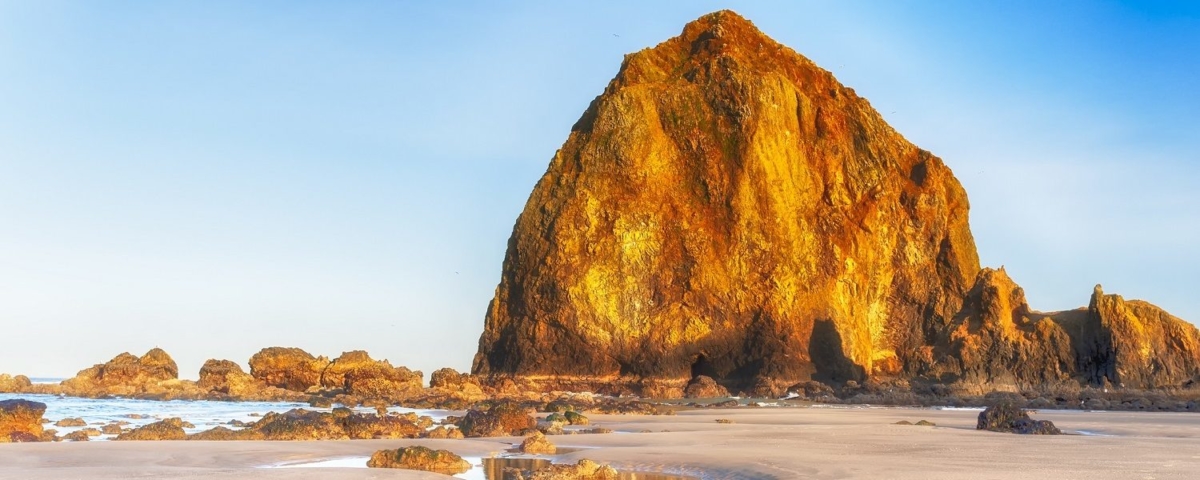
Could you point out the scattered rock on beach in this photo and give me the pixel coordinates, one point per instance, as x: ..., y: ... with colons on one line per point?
x: 443, y: 431
x: 420, y: 458
x: 111, y: 429
x: 537, y: 443
x: 70, y: 422
x: 169, y: 429
x: 576, y: 418
x: 21, y: 421
x: 76, y: 436
x: 724, y: 420
x: 503, y: 419
x: 1012, y: 419
x: 925, y: 423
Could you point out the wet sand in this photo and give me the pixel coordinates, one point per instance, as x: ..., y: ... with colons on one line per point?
x: 762, y: 443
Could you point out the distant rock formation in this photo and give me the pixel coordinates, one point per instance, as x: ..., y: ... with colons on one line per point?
x: 358, y: 374
x: 288, y: 368
x: 11, y: 384
x: 727, y: 209
x: 153, y: 374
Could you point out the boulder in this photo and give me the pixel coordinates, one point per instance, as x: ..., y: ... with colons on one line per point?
x: 501, y: 420
x: 70, y: 422
x: 576, y: 418
x: 227, y: 377
x: 21, y: 421
x: 537, y: 444
x: 1012, y: 419
x: 76, y: 436
x: 420, y: 458
x: 444, y: 432
x: 358, y: 374
x: 11, y: 384
x: 169, y: 429
x: 287, y: 368
x: 704, y: 387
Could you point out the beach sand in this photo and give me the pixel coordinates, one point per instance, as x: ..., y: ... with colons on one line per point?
x: 762, y: 443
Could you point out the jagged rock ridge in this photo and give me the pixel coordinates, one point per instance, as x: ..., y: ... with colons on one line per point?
x: 726, y: 208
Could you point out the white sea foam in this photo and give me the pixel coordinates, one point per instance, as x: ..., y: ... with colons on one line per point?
x: 204, y: 414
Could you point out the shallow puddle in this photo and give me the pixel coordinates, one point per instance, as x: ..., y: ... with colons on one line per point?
x: 488, y: 468
x: 493, y: 469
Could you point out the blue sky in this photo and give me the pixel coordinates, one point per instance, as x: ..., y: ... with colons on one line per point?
x: 217, y: 177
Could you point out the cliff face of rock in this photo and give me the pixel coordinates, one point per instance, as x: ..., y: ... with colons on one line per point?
x: 727, y: 208
x: 1131, y: 343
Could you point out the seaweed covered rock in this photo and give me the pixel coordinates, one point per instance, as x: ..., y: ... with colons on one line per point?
x: 169, y: 429
x: 21, y: 421
x: 501, y: 420
x: 1009, y: 418
x: 420, y: 458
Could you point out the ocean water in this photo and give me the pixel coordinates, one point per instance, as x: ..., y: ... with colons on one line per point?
x: 201, y: 413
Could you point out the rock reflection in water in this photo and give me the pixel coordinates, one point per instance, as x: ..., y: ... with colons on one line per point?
x: 493, y: 469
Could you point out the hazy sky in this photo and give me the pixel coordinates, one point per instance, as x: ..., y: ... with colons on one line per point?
x: 217, y: 177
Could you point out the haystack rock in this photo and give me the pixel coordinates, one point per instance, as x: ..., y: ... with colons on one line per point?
x: 728, y: 209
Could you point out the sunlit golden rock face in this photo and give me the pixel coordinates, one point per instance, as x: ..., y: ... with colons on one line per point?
x: 1132, y: 343
x: 727, y: 208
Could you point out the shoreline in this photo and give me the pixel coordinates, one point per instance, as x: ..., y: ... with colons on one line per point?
x: 759, y: 444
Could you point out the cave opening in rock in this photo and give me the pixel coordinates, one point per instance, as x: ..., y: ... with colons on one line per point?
x: 701, y: 366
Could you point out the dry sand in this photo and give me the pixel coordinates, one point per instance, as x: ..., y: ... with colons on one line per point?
x: 762, y: 443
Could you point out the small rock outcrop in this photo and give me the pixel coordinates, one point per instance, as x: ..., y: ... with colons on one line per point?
x: 70, y: 422
x: 501, y: 420
x: 340, y: 424
x: 169, y: 429
x: 288, y: 368
x: 225, y: 376
x: 358, y: 374
x: 537, y: 444
x: 1008, y: 418
x: 21, y: 421
x: 420, y: 458
x: 11, y: 384
x: 704, y: 387
x: 152, y: 374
